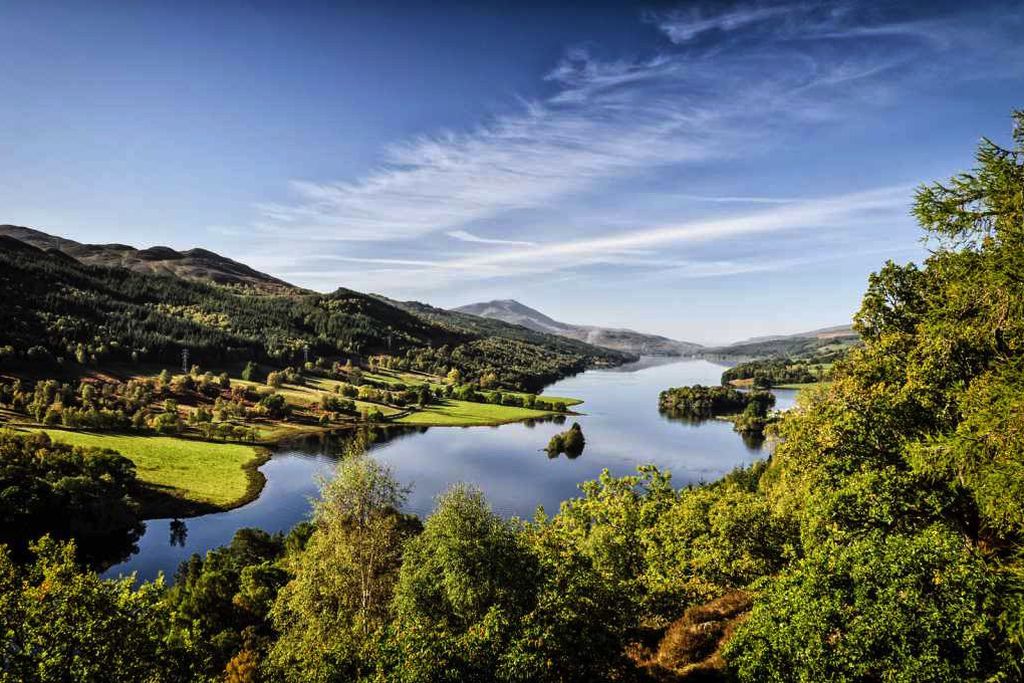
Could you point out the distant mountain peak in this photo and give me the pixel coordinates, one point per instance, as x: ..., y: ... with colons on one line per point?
x: 630, y: 341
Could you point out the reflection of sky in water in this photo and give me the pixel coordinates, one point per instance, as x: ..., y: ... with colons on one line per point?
x: 284, y: 502
x: 623, y: 429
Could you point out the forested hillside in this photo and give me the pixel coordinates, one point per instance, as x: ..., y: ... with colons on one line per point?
x: 61, y: 312
x: 827, y: 344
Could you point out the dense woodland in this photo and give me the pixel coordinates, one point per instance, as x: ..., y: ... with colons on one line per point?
x: 749, y: 411
x: 882, y: 541
x: 700, y: 402
x: 68, y: 492
x: 770, y: 372
x: 61, y: 313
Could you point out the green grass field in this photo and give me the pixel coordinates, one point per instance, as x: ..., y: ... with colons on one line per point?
x: 215, y: 474
x: 455, y: 413
x: 449, y: 413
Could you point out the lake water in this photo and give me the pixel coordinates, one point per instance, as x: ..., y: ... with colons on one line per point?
x: 622, y: 425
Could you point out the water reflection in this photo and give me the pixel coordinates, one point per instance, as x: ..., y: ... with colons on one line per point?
x: 750, y: 440
x: 179, y: 532
x: 620, y: 418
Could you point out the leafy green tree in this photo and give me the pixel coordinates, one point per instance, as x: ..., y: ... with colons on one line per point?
x: 275, y: 405
x: 68, y: 492
x: 607, y: 524
x: 884, y: 607
x: 58, y: 623
x: 904, y: 474
x: 329, y: 614
x: 714, y: 539
x: 219, y: 604
x: 464, y: 584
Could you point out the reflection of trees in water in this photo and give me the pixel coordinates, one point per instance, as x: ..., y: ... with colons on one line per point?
x: 673, y: 415
x: 101, y: 551
x: 553, y: 455
x: 97, y: 550
x: 335, y: 442
x: 753, y: 441
x: 179, y: 532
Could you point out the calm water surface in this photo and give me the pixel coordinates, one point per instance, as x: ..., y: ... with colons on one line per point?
x: 622, y: 425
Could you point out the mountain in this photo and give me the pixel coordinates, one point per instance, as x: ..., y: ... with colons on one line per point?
x: 837, y: 338
x: 834, y: 332
x: 59, y: 310
x: 193, y: 264
x: 457, y: 320
x: 628, y: 341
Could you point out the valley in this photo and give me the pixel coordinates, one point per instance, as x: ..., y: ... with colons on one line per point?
x: 489, y: 342
x: 508, y: 462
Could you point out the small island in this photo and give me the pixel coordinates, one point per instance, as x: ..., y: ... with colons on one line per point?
x: 571, y: 442
x: 749, y: 411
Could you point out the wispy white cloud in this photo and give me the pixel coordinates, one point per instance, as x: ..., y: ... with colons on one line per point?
x: 770, y: 70
x: 587, y: 250
x: 519, y: 161
x: 723, y: 268
x: 684, y: 25
x: 638, y: 248
x: 465, y: 236
x: 728, y: 199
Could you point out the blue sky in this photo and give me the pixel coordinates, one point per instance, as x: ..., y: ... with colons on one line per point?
x: 705, y: 171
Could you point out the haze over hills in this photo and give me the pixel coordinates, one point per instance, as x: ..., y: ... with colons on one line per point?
x: 834, y: 332
x: 620, y: 339
x: 193, y: 264
x: 790, y: 345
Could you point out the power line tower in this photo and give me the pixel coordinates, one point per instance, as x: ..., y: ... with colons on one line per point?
x: 184, y: 361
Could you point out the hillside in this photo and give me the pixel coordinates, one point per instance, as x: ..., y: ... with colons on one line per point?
x: 60, y: 311
x: 819, y: 342
x: 834, y: 332
x: 467, y: 322
x: 629, y: 341
x: 193, y: 264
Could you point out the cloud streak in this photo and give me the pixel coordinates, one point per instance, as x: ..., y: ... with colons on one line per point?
x: 635, y: 248
x: 720, y: 86
x: 464, y: 236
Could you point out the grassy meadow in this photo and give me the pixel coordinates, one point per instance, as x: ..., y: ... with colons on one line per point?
x: 218, y: 475
x: 454, y: 413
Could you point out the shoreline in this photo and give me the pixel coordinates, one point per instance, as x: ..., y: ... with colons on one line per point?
x: 171, y: 500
